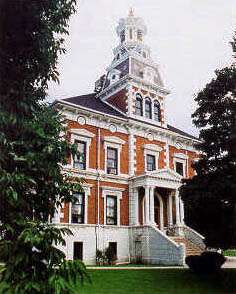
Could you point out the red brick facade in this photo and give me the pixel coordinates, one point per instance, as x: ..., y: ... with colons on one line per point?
x: 94, y: 163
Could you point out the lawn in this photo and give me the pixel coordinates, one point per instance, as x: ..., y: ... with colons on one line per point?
x: 230, y: 252
x: 168, y: 281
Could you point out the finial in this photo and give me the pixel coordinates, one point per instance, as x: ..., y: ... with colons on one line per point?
x: 131, y: 11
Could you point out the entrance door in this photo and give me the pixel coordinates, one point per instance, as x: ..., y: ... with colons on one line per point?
x: 113, y: 248
x: 138, y: 252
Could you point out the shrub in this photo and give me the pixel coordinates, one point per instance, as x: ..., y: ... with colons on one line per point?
x: 100, y: 258
x: 207, y: 262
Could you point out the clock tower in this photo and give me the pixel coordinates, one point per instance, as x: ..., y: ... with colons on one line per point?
x: 133, y: 84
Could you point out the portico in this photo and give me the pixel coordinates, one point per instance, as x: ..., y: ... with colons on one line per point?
x: 155, y: 200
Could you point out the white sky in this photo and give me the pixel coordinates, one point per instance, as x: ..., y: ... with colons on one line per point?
x: 188, y: 38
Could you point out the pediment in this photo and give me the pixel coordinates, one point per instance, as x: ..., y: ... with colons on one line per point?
x: 153, y: 147
x: 82, y: 132
x: 166, y: 174
x: 114, y: 140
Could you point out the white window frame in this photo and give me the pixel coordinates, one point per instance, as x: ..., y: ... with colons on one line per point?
x: 181, y: 158
x: 86, y: 191
x: 116, y: 143
x: 151, y: 149
x: 111, y: 191
x: 85, y: 136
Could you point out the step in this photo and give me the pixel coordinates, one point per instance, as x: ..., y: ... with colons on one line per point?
x: 191, y: 248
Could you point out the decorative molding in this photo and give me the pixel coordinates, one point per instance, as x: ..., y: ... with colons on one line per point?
x: 181, y: 156
x: 82, y: 132
x: 152, y: 147
x: 113, y: 140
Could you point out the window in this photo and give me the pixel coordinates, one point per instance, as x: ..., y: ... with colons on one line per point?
x: 112, y: 161
x: 157, y: 111
x: 140, y: 74
x: 139, y: 35
x: 111, y: 210
x: 139, y: 105
x: 179, y: 168
x: 80, y: 158
x: 130, y: 34
x: 151, y: 162
x: 78, y: 250
x: 77, y: 209
x: 148, y: 108
x: 122, y: 36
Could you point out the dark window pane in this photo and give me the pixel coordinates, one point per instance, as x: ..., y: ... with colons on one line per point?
x: 80, y: 158
x: 139, y: 105
x: 179, y: 168
x: 112, y: 161
x: 122, y: 36
x: 148, y: 108
x: 151, y: 162
x: 157, y: 111
x: 77, y: 209
x: 111, y: 210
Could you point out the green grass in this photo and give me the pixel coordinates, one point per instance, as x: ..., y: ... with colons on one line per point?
x: 230, y: 252
x: 176, y: 281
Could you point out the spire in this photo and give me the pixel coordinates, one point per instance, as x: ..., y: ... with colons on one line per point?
x: 131, y: 12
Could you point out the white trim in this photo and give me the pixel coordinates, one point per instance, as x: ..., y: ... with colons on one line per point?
x: 151, y: 149
x: 113, y: 140
x: 111, y: 191
x: 83, y: 136
x: 181, y: 156
x: 184, y: 162
x: 116, y: 143
x: 82, y: 133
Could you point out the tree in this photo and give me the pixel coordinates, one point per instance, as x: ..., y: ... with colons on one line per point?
x: 210, y: 196
x: 33, y: 149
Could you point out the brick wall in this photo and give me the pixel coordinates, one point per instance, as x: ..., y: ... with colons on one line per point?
x: 140, y: 164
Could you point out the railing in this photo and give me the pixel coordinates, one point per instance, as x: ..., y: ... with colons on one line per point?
x: 194, y: 237
x: 188, y: 233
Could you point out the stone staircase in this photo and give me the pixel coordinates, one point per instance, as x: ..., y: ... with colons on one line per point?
x: 191, y: 248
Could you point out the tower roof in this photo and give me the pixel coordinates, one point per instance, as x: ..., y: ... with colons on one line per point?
x: 131, y: 21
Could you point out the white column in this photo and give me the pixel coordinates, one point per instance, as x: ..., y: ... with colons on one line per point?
x: 152, y: 216
x: 136, y: 206
x: 170, y: 210
x: 177, y: 207
x: 181, y: 211
x: 147, y: 205
x: 161, y: 212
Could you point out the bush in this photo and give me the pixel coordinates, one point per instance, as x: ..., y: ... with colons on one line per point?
x: 207, y: 262
x: 100, y: 258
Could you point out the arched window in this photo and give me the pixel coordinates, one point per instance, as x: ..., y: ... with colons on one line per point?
x: 148, y: 108
x: 139, y: 105
x: 122, y: 36
x: 157, y: 111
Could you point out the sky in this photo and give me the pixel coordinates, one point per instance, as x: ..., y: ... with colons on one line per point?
x: 189, y: 40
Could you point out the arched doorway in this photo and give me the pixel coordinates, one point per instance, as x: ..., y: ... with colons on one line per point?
x: 156, y: 210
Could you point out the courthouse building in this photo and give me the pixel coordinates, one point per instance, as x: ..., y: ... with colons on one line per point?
x: 132, y: 161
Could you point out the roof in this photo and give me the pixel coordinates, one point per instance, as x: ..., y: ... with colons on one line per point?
x: 90, y: 101
x: 180, y: 132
